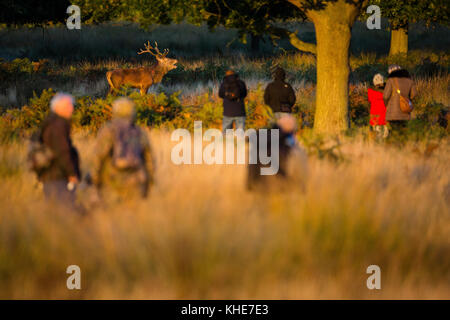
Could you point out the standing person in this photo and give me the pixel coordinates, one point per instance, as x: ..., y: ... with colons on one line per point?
x: 279, y: 95
x: 233, y: 91
x: 123, y: 165
x: 377, y: 107
x: 292, y: 160
x: 62, y: 173
x: 399, y: 83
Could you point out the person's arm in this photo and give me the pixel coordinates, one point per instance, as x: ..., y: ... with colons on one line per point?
x: 267, y: 95
x: 149, y: 160
x: 103, y: 148
x: 387, y: 92
x: 412, y: 92
x: 221, y: 91
x: 291, y: 95
x: 243, y: 89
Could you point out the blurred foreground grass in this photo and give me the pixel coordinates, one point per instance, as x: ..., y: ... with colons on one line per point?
x: 202, y: 235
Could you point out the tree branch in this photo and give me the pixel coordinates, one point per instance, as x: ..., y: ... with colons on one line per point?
x: 277, y: 32
x: 297, y: 3
x: 301, y: 45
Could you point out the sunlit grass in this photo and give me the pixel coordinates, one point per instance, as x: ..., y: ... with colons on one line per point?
x: 202, y: 235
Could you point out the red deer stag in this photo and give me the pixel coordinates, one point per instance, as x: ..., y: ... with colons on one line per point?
x: 142, y: 77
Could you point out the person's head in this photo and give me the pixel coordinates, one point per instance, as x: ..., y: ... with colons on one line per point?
x: 279, y: 74
x: 378, y: 80
x: 287, y: 123
x: 393, y: 67
x: 62, y: 104
x: 123, y: 108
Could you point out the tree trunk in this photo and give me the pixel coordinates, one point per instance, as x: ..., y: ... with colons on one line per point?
x: 399, y: 41
x: 333, y: 34
x: 333, y: 69
x: 254, y: 43
x: 333, y: 25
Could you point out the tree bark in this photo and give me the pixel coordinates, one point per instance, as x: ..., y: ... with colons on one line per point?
x: 333, y: 69
x: 399, y: 41
x: 333, y: 25
x: 254, y: 43
x: 301, y: 45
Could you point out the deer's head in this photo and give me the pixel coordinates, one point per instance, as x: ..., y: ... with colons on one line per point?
x: 166, y: 63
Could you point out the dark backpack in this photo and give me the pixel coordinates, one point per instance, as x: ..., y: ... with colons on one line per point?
x: 39, y: 155
x: 285, y: 105
x: 232, y: 90
x: 127, y: 149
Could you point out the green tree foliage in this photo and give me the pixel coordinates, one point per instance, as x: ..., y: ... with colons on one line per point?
x: 257, y: 18
x: 19, y: 12
x: 143, y: 12
x: 402, y: 13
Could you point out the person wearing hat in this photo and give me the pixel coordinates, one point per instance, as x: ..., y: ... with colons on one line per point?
x: 399, y: 82
x: 123, y: 165
x: 377, y: 107
x: 62, y: 174
x: 233, y: 91
x: 279, y: 95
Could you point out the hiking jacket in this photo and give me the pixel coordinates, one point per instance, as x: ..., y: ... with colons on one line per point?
x: 377, y: 107
x: 55, y: 134
x: 279, y: 95
x: 105, y: 174
x: 233, y: 108
x: 286, y: 144
x: 392, y: 99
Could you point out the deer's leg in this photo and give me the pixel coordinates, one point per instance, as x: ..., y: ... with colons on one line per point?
x: 144, y: 90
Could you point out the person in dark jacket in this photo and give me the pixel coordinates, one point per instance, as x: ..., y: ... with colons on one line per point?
x: 63, y: 174
x: 279, y: 95
x: 292, y: 160
x: 233, y: 91
x: 399, y: 82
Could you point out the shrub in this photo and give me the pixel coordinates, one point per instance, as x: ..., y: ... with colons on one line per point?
x: 31, y: 115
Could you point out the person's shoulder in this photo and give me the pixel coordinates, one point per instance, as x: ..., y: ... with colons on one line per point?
x: 58, y: 122
x: 140, y: 128
x: 106, y: 129
x: 400, y: 74
x: 143, y: 134
x: 287, y: 85
x: 371, y: 93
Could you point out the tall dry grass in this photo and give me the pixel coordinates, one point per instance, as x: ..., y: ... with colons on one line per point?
x: 202, y: 235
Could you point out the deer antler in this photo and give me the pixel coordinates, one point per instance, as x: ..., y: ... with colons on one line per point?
x: 156, y: 53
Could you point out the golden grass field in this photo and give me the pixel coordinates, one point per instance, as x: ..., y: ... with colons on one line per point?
x: 201, y: 235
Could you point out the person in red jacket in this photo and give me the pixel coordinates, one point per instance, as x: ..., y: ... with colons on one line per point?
x: 377, y: 107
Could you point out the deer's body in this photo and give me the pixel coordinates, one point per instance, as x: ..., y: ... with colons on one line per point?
x: 142, y: 77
